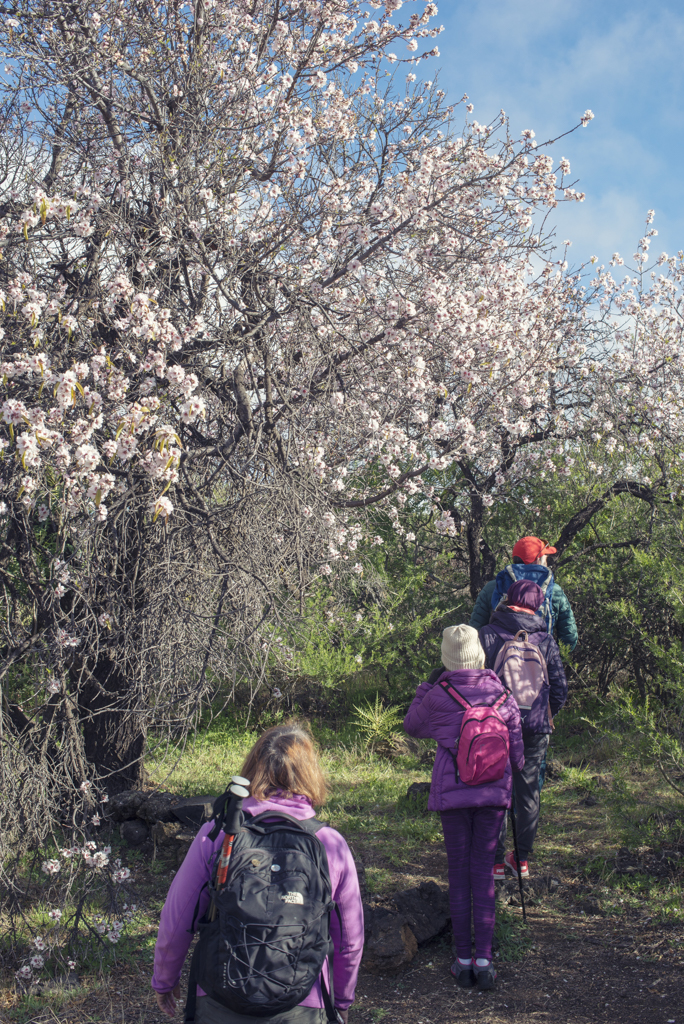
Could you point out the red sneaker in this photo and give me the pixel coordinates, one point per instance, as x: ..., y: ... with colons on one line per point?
x: 499, y: 871
x: 510, y: 863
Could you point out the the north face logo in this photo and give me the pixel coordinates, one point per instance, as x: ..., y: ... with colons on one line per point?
x: 292, y: 897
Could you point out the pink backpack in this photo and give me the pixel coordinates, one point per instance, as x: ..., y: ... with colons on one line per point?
x: 482, y: 749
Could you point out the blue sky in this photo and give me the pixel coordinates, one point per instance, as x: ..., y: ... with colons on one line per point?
x: 545, y: 63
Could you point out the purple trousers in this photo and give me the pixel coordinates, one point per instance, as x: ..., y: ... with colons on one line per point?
x: 470, y: 836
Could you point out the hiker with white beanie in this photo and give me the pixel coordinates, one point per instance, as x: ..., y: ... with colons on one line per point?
x: 476, y: 723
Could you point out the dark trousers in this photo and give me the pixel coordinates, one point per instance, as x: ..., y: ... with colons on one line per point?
x: 526, y: 798
x: 470, y: 839
x: 210, y: 1012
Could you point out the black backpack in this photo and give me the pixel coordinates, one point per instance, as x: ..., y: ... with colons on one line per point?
x: 266, y: 935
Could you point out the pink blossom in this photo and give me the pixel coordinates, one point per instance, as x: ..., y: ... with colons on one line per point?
x: 64, y: 639
x: 162, y: 507
x: 13, y: 411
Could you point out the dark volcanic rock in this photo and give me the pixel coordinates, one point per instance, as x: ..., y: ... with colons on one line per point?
x: 149, y: 806
x: 134, y: 832
x: 417, y: 789
x: 158, y: 807
x: 390, y: 943
x: 164, y: 834
x: 194, y: 810
x: 124, y: 806
x: 394, y: 931
x: 425, y: 909
x: 404, y: 746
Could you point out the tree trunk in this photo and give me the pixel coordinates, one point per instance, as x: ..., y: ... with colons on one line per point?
x: 481, y: 561
x: 639, y: 676
x: 114, y: 733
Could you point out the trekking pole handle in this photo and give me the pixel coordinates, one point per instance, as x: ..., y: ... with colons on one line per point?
x: 239, y: 791
x: 239, y: 781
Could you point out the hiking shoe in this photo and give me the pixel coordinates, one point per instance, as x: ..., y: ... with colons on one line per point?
x: 511, y: 864
x: 485, y: 976
x: 499, y: 871
x: 463, y: 973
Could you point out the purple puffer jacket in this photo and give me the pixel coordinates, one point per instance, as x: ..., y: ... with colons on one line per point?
x: 174, y: 938
x: 435, y: 715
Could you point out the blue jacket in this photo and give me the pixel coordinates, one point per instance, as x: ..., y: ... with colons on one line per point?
x: 504, y: 625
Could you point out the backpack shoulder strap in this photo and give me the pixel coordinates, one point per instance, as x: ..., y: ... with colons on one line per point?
x: 545, y: 584
x: 502, y: 700
x: 509, y: 569
x: 313, y: 824
x: 454, y: 694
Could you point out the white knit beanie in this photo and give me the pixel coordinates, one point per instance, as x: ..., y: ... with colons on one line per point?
x: 461, y: 648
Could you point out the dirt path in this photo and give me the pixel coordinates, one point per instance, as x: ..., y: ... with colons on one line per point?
x: 582, y: 970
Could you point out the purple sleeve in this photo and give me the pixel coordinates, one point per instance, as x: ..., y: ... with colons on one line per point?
x: 346, y: 929
x: 558, y: 683
x: 174, y: 936
x: 491, y: 643
x: 517, y: 745
x: 417, y: 721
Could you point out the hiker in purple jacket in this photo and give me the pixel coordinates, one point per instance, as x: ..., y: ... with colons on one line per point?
x: 520, y: 613
x: 471, y: 815
x: 286, y: 776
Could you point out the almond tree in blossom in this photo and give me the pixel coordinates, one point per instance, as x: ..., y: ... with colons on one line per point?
x: 254, y: 284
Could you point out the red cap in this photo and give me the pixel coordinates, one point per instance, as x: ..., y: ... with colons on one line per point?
x: 531, y: 548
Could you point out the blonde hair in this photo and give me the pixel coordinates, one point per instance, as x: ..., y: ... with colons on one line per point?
x: 285, y: 758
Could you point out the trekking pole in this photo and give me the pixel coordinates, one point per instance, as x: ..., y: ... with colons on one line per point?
x: 517, y: 861
x: 232, y: 821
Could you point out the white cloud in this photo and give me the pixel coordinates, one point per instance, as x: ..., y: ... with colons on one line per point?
x: 545, y: 63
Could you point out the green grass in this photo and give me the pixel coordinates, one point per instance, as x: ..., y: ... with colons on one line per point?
x: 367, y: 792
x: 205, y: 764
x: 514, y: 938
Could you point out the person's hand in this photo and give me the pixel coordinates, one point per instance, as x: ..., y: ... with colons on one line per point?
x: 344, y: 1014
x: 166, y: 1001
